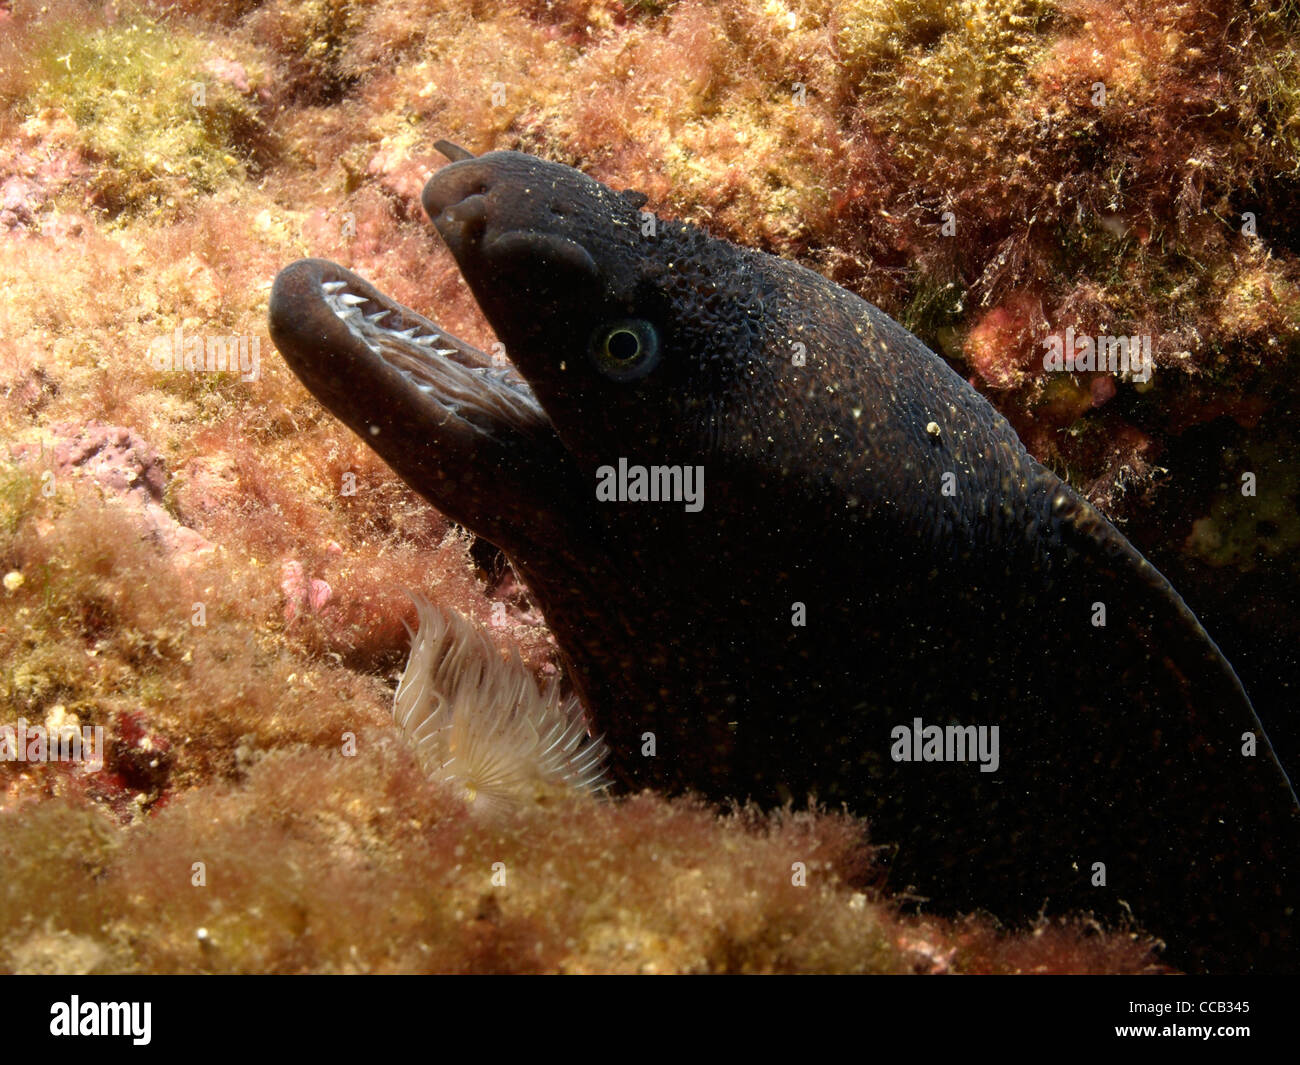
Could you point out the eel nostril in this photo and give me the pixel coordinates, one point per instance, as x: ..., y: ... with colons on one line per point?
x: 470, y: 213
x: 455, y: 184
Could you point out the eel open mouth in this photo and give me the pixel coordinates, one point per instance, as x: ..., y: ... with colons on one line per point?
x: 468, y: 435
x: 343, y: 337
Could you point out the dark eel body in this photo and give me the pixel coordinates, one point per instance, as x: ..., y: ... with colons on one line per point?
x: 1121, y: 746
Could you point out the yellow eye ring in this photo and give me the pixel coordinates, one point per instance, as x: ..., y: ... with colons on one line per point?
x: 626, y: 349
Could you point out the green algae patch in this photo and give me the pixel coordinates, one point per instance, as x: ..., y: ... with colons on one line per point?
x: 157, y: 111
x: 941, y: 63
x: 18, y: 493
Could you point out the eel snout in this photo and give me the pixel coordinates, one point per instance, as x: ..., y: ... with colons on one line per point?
x: 505, y: 218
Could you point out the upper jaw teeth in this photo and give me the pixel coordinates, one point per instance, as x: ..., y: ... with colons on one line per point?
x: 469, y: 392
x: 368, y: 327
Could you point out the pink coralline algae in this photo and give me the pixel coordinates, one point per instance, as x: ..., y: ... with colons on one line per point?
x: 130, y: 470
x: 301, y: 594
x: 228, y: 72
x: 41, y: 162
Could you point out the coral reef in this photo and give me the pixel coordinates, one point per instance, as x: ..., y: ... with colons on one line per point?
x: 203, y: 564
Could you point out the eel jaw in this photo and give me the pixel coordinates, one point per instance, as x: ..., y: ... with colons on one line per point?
x: 467, y: 435
x: 337, y: 331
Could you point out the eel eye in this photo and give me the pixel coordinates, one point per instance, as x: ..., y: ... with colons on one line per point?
x: 626, y: 349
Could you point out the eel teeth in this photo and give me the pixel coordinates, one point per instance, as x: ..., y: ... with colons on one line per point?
x: 373, y: 319
x: 332, y: 287
x: 351, y: 299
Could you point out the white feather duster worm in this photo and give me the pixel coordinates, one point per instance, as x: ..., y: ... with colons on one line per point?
x: 483, y: 723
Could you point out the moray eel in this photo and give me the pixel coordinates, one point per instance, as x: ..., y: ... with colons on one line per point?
x: 874, y: 561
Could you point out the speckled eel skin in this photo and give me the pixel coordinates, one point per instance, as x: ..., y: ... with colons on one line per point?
x: 854, y: 548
